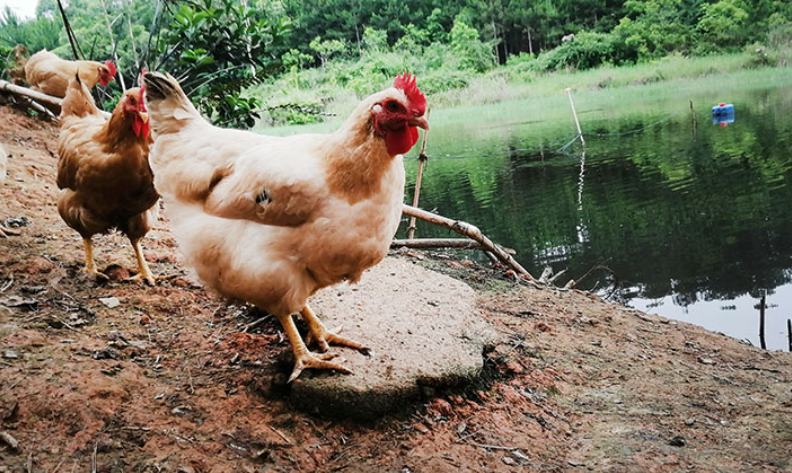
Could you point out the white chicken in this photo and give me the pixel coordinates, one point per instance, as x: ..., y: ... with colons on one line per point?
x: 270, y: 220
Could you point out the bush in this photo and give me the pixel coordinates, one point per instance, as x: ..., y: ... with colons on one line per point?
x: 585, y: 51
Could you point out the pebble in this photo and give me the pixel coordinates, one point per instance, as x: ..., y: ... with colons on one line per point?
x: 10, y: 355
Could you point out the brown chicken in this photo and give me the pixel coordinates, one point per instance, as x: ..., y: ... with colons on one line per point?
x: 104, y: 172
x: 271, y: 220
x: 49, y: 74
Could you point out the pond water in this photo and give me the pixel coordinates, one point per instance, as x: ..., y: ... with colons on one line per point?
x: 695, y: 222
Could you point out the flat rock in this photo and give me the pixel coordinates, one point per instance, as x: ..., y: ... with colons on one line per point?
x: 424, y: 330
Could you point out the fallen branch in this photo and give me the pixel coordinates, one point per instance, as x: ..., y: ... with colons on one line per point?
x: 472, y: 232
x: 37, y: 96
x: 459, y: 243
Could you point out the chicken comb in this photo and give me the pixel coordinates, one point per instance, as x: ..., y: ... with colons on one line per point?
x: 111, y: 67
x: 407, y: 83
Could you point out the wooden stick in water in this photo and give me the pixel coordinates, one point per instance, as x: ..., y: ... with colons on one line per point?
x: 574, y: 114
x: 422, y: 158
x: 762, y: 321
x: 472, y: 232
x: 789, y: 334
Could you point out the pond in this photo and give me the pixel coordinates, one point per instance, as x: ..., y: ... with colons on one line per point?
x: 693, y: 219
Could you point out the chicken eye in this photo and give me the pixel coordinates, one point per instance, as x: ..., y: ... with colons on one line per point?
x: 392, y: 106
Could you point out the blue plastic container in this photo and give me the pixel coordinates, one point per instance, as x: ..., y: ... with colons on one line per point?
x: 723, y: 113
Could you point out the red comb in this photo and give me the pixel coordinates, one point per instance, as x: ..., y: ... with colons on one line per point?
x: 407, y: 82
x: 111, y: 67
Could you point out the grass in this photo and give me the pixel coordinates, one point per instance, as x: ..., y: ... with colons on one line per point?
x: 604, y: 93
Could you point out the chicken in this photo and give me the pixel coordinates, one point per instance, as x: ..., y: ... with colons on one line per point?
x: 49, y: 74
x: 270, y: 220
x: 104, y: 173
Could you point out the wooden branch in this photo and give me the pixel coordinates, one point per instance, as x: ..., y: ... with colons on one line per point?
x: 37, y: 96
x: 24, y: 91
x: 457, y: 243
x: 470, y: 231
x: 422, y: 159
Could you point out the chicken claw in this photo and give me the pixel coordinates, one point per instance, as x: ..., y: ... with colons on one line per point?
x: 309, y: 360
x: 303, y: 358
x: 143, y: 270
x: 323, y: 337
x: 5, y: 232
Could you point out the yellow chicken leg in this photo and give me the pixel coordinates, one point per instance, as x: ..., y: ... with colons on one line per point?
x: 143, y: 270
x: 303, y: 358
x: 90, y: 266
x: 323, y: 337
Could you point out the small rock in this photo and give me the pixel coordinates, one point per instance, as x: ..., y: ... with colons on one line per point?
x: 509, y: 461
x: 20, y: 302
x: 706, y: 361
x: 677, y: 441
x: 110, y: 302
x: 144, y: 319
x: 574, y: 463
x: 461, y: 427
x: 10, y: 355
x: 690, y: 421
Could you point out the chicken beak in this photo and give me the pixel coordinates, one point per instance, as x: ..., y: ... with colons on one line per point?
x: 420, y: 122
x: 144, y: 116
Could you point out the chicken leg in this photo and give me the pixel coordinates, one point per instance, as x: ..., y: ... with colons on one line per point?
x: 90, y: 266
x: 304, y: 358
x: 143, y: 270
x: 323, y: 337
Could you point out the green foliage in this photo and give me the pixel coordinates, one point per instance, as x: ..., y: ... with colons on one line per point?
x: 472, y: 52
x: 226, y: 51
x: 238, y: 112
x: 375, y: 40
x: 219, y: 48
x: 723, y: 25
x: 41, y: 33
x: 585, y: 51
x: 326, y: 49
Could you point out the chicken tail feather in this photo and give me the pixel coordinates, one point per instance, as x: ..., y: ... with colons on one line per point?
x: 168, y: 105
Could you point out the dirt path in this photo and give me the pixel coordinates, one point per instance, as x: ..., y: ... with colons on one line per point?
x: 165, y: 381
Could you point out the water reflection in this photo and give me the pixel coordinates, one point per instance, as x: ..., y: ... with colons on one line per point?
x: 692, y: 220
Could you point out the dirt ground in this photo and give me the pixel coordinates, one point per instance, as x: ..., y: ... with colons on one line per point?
x: 161, y: 379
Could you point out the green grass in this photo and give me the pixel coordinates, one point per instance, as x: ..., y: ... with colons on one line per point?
x: 603, y: 93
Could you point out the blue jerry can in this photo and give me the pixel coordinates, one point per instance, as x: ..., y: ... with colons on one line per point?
x: 723, y: 113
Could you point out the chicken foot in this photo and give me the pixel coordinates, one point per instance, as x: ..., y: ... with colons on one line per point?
x: 5, y: 231
x: 323, y: 337
x: 143, y: 270
x: 303, y: 358
x: 90, y: 265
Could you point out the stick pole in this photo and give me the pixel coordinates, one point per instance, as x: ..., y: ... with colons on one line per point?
x: 574, y: 114
x: 422, y: 158
x: 789, y: 334
x: 762, y: 321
